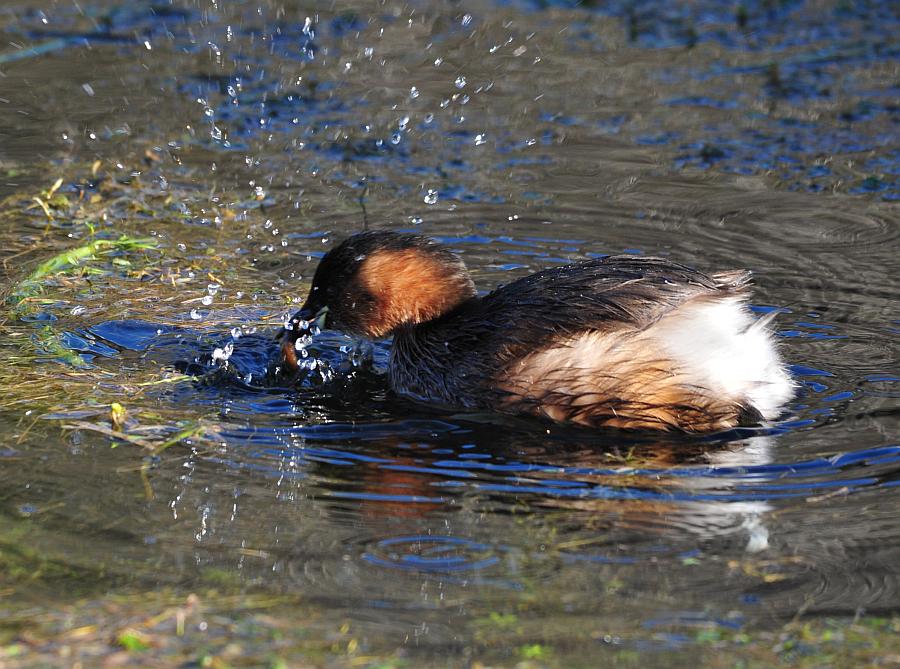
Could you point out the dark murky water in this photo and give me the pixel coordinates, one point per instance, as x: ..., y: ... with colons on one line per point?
x: 523, y: 136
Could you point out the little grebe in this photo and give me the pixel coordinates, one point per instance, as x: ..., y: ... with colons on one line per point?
x: 623, y: 341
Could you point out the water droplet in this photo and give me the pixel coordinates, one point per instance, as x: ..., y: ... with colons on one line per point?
x: 223, y: 353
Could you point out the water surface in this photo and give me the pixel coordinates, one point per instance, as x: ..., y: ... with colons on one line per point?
x: 246, y: 137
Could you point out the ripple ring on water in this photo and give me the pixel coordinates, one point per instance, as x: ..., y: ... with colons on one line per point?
x: 432, y: 554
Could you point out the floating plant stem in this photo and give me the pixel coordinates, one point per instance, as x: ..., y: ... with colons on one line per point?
x: 72, y: 258
x: 110, y: 432
x: 194, y: 430
x: 175, y: 378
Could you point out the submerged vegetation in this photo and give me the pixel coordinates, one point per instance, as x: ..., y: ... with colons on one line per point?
x: 220, y: 629
x: 101, y: 616
x: 61, y: 286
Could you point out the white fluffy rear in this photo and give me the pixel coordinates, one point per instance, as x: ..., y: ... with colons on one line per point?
x: 718, y: 345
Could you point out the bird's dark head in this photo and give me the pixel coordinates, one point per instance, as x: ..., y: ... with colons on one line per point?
x: 374, y: 282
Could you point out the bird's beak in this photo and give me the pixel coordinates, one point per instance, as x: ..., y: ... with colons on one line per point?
x: 301, y: 322
x: 319, y: 318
